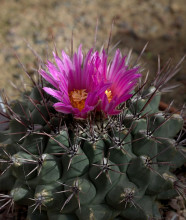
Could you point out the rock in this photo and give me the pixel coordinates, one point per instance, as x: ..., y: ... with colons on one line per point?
x: 3, y: 126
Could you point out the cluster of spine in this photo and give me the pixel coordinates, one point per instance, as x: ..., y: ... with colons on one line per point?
x: 101, y: 168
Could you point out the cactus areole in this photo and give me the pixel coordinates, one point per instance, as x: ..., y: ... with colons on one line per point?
x: 89, y: 142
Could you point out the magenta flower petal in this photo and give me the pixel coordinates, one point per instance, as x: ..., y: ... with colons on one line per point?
x: 60, y: 107
x: 77, y: 86
x: 122, y: 81
x: 83, y: 83
x: 48, y: 78
x: 57, y: 94
x: 59, y: 63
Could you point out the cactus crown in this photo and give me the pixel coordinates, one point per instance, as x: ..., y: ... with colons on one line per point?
x: 83, y: 144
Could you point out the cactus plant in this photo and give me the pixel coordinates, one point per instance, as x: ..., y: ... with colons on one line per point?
x: 89, y: 142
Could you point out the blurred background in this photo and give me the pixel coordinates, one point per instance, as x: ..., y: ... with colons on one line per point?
x: 162, y: 23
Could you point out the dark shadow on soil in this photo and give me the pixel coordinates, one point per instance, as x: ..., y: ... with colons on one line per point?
x: 165, y: 46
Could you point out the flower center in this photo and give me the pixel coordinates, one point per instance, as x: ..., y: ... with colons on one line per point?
x: 78, y: 98
x: 108, y: 93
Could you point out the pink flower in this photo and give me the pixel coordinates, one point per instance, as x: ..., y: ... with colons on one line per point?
x: 85, y: 83
x: 76, y: 85
x: 121, y: 79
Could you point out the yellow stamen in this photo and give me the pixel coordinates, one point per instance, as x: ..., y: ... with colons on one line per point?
x: 108, y: 92
x: 78, y: 98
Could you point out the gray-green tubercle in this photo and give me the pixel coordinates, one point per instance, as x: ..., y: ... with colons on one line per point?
x: 102, y: 168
